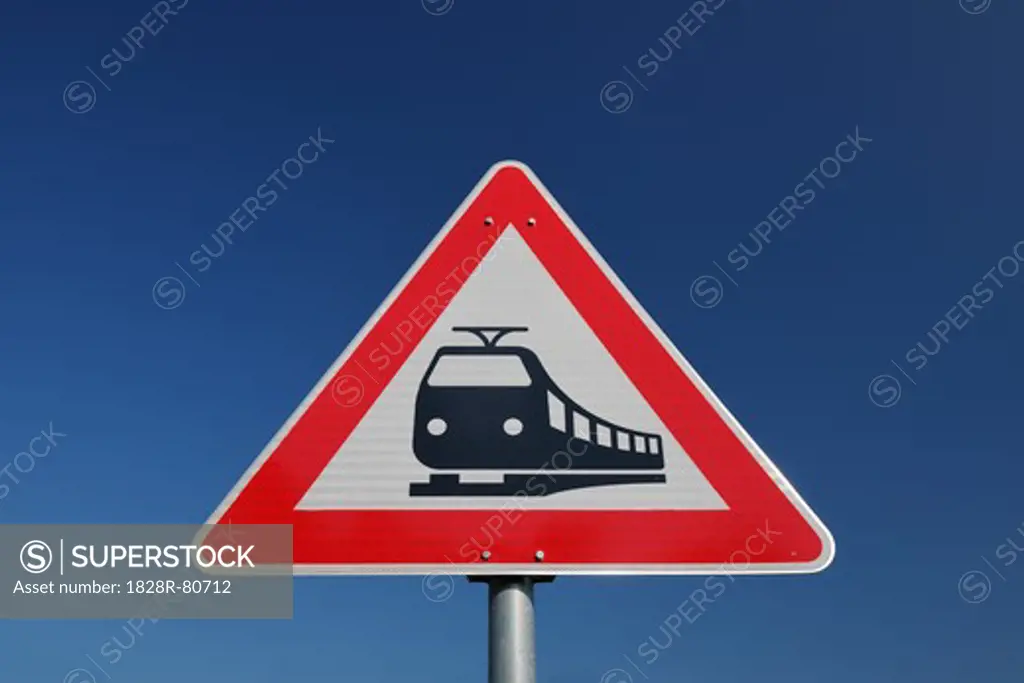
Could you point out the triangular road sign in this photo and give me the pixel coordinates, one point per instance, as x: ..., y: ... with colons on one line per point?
x: 512, y: 409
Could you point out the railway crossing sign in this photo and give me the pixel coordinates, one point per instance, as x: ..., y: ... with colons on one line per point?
x: 511, y: 409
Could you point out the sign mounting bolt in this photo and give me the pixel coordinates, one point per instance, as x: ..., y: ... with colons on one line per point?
x: 539, y: 555
x: 488, y: 221
x: 486, y: 555
x: 531, y: 222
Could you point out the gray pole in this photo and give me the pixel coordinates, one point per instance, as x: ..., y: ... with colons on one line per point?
x: 510, y: 632
x: 511, y: 637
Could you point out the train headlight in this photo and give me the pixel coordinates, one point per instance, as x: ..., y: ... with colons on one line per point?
x: 513, y: 427
x: 437, y: 426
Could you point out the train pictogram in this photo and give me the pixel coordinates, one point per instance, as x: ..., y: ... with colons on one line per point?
x: 496, y: 407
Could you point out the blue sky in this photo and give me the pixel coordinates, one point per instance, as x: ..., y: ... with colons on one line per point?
x: 164, y: 409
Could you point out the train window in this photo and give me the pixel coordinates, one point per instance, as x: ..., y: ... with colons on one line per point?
x: 623, y: 441
x: 556, y: 412
x: 479, y: 371
x: 641, y: 444
x: 604, y: 436
x: 654, y: 444
x: 581, y: 427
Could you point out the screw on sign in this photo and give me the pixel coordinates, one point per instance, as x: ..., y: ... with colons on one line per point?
x: 418, y: 436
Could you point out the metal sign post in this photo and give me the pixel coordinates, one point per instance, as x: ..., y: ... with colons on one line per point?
x: 511, y: 632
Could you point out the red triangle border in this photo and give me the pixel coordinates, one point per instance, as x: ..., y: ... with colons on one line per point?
x: 767, y: 528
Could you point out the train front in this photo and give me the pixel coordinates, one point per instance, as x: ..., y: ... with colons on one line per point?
x: 479, y: 408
